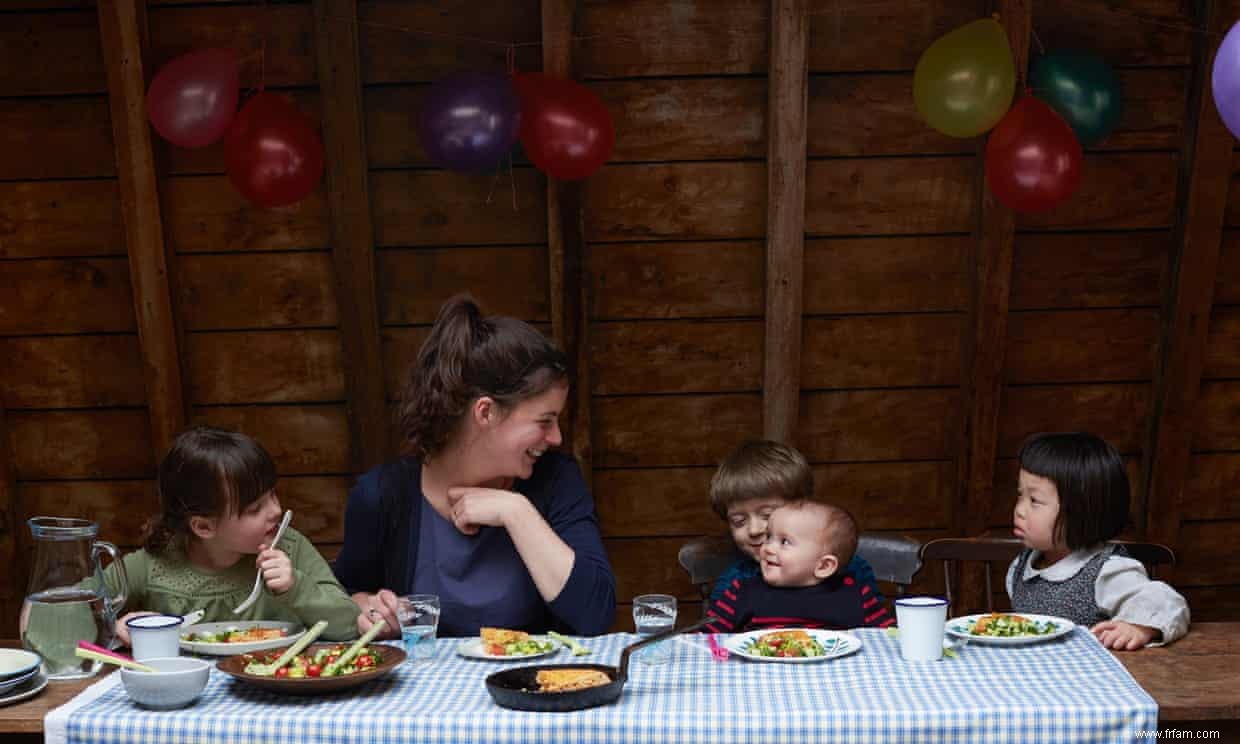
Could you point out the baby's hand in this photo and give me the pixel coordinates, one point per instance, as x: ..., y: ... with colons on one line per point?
x: 277, y: 569
x: 1122, y: 636
x: 122, y: 629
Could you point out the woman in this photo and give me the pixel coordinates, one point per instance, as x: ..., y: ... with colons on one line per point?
x: 481, y: 511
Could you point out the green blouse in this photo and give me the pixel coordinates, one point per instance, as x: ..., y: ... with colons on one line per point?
x: 169, y: 584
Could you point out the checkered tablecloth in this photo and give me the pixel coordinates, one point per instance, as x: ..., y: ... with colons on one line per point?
x: 1068, y: 690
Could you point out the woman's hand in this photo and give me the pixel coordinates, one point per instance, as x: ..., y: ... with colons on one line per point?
x: 374, y: 607
x: 122, y: 629
x: 1121, y: 636
x: 472, y: 507
x: 276, y: 568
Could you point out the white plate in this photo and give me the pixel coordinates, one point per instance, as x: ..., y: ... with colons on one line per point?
x: 473, y: 649
x: 958, y: 627
x: 835, y: 643
x: 25, y: 690
x: 295, y: 631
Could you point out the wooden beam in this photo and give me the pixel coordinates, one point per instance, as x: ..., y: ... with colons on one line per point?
x: 986, y: 333
x: 122, y: 30
x: 566, y: 250
x: 785, y: 217
x: 348, y: 199
x: 1205, y: 172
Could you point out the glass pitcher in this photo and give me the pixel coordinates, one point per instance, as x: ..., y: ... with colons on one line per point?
x: 67, y: 600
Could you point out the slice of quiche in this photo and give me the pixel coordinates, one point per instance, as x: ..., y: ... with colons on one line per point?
x: 564, y: 680
x: 501, y: 636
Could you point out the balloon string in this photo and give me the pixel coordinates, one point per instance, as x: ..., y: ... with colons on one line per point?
x: 512, y: 178
x: 512, y: 59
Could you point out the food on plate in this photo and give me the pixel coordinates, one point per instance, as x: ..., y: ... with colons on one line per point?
x: 786, y: 643
x: 1003, y: 625
x: 564, y: 680
x: 501, y: 642
x: 312, y: 664
x: 237, y: 635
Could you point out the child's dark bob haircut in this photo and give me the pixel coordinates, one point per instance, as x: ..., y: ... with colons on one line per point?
x: 208, y: 472
x: 758, y: 469
x: 1091, y: 480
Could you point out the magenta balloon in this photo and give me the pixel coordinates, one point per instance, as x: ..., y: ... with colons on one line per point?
x: 193, y: 98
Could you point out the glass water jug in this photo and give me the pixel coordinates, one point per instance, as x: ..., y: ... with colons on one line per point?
x: 68, y: 600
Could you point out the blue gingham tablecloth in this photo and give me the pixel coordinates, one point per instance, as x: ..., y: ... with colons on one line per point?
x: 1067, y: 690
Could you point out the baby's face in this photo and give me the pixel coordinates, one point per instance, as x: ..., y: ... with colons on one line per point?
x: 794, y: 552
x: 747, y: 520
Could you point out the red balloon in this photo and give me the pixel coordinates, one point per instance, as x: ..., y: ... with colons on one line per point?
x: 565, y: 129
x: 272, y: 153
x: 1033, y: 158
x: 194, y: 97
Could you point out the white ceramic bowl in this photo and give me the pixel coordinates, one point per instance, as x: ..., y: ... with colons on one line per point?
x: 177, y: 682
x: 16, y: 662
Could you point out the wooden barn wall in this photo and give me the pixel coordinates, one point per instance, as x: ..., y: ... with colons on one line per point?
x: 674, y: 228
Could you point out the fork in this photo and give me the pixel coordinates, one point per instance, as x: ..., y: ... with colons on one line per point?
x: 258, y: 580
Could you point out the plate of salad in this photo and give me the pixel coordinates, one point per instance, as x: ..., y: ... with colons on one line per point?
x: 498, y: 644
x: 239, y: 637
x: 796, y: 645
x: 1008, y: 628
x: 308, y: 672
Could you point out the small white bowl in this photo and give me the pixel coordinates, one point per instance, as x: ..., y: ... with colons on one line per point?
x: 176, y: 683
x: 16, y: 662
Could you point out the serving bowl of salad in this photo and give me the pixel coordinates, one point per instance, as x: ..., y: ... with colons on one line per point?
x: 308, y: 673
x: 1008, y: 629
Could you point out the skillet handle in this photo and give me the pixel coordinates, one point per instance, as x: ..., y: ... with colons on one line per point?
x: 622, y: 673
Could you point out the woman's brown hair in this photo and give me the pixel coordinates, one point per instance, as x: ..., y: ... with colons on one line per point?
x: 208, y: 472
x: 468, y: 356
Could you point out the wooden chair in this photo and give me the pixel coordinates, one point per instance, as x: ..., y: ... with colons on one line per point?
x: 994, y: 549
x: 894, y: 559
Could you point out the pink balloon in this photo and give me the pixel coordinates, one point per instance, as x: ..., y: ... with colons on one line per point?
x: 193, y: 98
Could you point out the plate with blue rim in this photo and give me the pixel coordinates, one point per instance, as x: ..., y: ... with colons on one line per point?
x: 835, y: 644
x: 1048, y: 628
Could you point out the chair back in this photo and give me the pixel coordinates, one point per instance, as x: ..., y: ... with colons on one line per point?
x: 993, y: 549
x: 894, y: 559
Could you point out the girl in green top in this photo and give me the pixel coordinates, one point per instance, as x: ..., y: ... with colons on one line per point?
x: 219, y: 514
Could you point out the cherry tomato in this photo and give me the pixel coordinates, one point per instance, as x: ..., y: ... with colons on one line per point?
x: 365, y: 661
x: 314, y: 670
x: 282, y: 672
x: 494, y: 649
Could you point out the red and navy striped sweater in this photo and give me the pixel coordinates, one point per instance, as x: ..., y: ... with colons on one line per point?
x: 838, y: 603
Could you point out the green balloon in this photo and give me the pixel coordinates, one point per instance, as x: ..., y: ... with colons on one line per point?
x: 1082, y: 88
x: 964, y: 81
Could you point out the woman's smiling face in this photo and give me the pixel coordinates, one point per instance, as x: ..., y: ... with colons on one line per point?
x: 521, y: 435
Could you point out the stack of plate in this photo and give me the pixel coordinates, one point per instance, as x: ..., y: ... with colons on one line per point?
x: 19, y: 674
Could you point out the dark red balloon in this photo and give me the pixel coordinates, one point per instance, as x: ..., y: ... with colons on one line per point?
x: 194, y: 97
x: 1033, y: 158
x: 272, y: 153
x: 565, y: 129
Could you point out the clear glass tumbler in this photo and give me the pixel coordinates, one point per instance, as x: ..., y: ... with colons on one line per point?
x: 654, y: 613
x: 419, y: 621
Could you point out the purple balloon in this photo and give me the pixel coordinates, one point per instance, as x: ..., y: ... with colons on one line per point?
x: 1225, y: 80
x: 469, y: 121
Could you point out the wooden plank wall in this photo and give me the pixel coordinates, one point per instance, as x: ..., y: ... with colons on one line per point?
x: 674, y: 228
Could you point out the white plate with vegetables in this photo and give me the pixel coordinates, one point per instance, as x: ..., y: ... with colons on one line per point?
x: 795, y: 645
x: 239, y: 637
x: 527, y: 648
x: 1008, y: 629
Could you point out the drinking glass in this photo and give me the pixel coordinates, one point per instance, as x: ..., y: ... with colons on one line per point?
x: 418, y: 615
x: 654, y: 613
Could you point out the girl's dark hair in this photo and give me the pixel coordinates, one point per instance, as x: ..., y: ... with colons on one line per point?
x: 466, y: 357
x: 208, y: 472
x: 1091, y: 480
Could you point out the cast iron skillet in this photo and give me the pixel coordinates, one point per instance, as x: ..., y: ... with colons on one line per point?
x: 515, y: 688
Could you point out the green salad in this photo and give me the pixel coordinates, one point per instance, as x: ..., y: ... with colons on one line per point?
x: 784, y: 644
x: 523, y: 647
x: 997, y: 625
